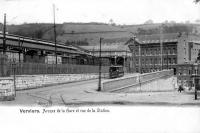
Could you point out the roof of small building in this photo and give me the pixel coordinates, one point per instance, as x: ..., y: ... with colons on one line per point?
x: 111, y: 47
x: 110, y: 44
x: 73, y: 49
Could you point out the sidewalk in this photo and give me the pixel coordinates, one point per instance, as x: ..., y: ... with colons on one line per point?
x: 144, y: 98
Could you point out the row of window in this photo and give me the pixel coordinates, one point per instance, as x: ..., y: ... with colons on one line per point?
x: 157, y: 61
x: 186, y: 71
x: 156, y: 51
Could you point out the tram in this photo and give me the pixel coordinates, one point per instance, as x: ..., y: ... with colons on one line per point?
x: 116, y: 71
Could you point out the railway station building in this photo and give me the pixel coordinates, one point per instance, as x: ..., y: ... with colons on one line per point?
x: 24, y: 49
x: 114, y: 51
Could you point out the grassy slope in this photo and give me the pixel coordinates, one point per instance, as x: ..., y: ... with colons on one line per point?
x: 83, y: 31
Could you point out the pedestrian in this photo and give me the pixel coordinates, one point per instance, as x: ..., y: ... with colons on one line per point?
x: 180, y: 88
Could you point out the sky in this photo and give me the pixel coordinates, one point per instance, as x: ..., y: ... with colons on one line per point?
x: 120, y: 11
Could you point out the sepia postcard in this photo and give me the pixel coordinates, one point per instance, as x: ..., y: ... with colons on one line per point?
x: 121, y: 66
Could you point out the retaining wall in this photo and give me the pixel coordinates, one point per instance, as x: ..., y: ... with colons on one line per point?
x: 35, y: 81
x: 6, y: 88
x: 156, y: 81
x: 23, y: 82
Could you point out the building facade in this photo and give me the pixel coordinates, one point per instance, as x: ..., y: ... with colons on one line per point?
x: 157, y: 52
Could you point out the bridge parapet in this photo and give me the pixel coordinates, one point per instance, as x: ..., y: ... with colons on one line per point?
x: 156, y: 81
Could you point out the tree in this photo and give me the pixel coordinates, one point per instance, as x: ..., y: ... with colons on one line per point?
x: 197, y: 21
x: 196, y: 1
x: 172, y: 22
x: 166, y: 22
x: 149, y: 22
x: 111, y: 21
x: 187, y: 22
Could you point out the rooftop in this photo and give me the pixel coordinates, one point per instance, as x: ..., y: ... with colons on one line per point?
x: 74, y: 49
x: 155, y: 38
x: 110, y: 47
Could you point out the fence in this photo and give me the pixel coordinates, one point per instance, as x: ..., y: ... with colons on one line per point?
x: 39, y: 68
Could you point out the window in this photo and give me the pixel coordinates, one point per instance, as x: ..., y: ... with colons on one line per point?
x: 174, y: 50
x: 147, y: 62
x: 185, y: 71
x: 151, y: 51
x: 155, y: 61
x: 136, y: 52
x: 189, y: 71
x: 165, y: 51
x: 143, y: 61
x: 137, y: 61
x: 157, y: 51
x: 174, y: 61
x: 170, y: 61
x: 142, y: 52
x: 168, y: 51
x: 171, y: 51
x: 165, y: 61
x: 147, y: 51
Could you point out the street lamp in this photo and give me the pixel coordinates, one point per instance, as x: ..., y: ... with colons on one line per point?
x: 4, y: 35
x: 195, y: 80
x: 133, y: 54
x: 55, y: 39
x: 14, y: 76
x: 161, y: 45
x: 99, y: 86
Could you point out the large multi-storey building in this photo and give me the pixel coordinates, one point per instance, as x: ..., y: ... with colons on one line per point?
x: 156, y: 52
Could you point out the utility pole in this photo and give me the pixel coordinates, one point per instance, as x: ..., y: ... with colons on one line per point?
x: 134, y: 55
x: 99, y: 86
x: 125, y: 58
x: 93, y: 55
x: 161, y: 46
x: 55, y: 40
x: 140, y: 59
x: 4, y: 59
x: 4, y: 35
x: 167, y: 58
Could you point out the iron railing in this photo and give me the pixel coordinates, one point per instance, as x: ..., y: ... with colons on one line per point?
x: 41, y: 68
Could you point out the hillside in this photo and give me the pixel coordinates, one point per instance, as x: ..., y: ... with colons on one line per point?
x: 89, y: 33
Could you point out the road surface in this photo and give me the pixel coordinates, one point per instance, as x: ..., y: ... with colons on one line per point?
x: 84, y: 93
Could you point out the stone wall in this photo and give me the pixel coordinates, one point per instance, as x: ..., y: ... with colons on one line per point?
x: 35, y: 81
x: 156, y: 81
x: 6, y: 88
x: 156, y: 85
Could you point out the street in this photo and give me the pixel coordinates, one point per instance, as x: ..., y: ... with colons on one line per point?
x: 84, y: 93
x: 53, y: 94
